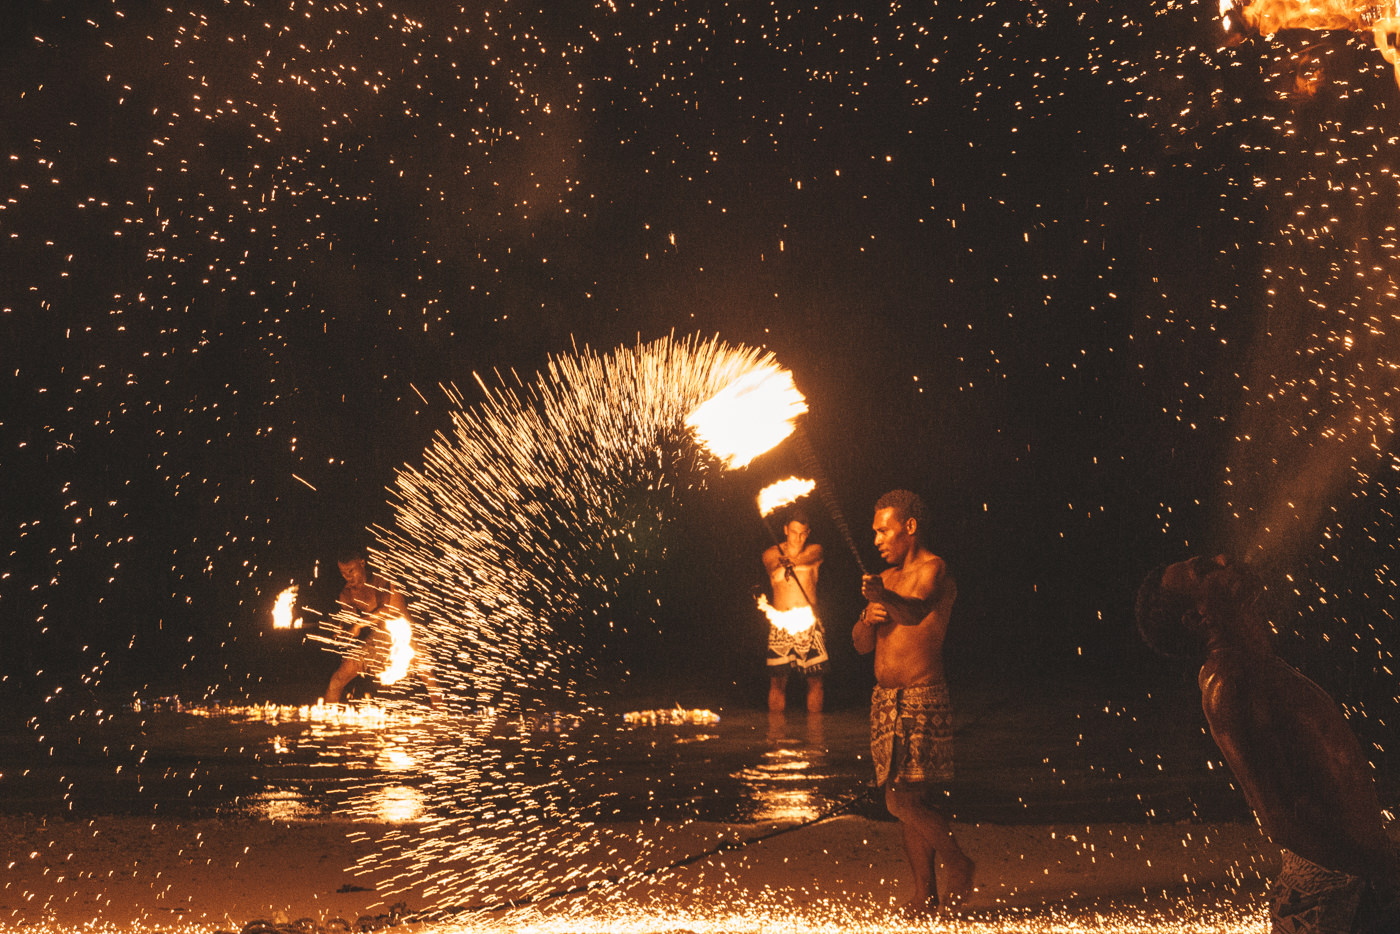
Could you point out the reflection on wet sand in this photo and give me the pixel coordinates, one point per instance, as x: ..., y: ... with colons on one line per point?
x: 780, y: 783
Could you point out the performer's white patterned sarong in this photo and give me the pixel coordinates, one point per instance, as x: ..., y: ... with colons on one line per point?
x: 803, y: 652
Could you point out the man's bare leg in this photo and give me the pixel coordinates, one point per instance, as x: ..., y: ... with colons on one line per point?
x: 348, y: 671
x: 920, y: 857
x: 777, y: 692
x: 816, y: 694
x: 928, y: 840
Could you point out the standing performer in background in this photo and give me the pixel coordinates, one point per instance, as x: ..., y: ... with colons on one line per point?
x: 367, y: 602
x: 792, y: 568
x: 911, y: 718
x: 1299, y: 765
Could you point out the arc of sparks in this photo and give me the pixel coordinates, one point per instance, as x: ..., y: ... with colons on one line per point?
x: 751, y: 415
x: 509, y: 524
x: 777, y: 495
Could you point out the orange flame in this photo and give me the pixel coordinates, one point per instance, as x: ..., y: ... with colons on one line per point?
x: 798, y: 619
x: 777, y: 495
x: 751, y: 415
x: 1266, y: 17
x: 400, y: 649
x: 284, y: 610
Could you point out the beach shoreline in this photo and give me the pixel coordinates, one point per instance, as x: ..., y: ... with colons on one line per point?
x: 132, y: 874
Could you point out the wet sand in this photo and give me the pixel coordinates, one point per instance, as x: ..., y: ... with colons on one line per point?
x: 137, y: 874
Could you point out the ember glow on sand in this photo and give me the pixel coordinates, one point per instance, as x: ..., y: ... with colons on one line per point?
x: 839, y: 920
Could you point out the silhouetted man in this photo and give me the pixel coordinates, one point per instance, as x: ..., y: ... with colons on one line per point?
x: 1298, y: 763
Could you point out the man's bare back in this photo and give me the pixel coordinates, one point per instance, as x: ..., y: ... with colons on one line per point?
x: 1298, y: 763
x: 1285, y: 740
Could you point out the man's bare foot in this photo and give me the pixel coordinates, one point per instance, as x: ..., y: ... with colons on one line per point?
x: 958, y: 876
x: 916, y: 909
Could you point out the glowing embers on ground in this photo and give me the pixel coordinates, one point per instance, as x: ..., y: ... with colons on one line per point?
x: 751, y: 415
x: 777, y: 495
x: 366, y: 715
x: 820, y: 918
x: 672, y: 716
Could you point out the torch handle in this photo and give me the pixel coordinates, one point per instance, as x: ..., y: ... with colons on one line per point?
x: 833, y: 506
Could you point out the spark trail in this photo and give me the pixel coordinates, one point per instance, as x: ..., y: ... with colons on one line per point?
x: 514, y: 536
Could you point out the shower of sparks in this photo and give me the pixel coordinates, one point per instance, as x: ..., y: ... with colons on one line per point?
x: 748, y: 417
x: 235, y: 238
x: 797, y: 620
x: 821, y: 919
x: 515, y: 536
x: 284, y: 611
x: 828, y: 919
x: 777, y: 495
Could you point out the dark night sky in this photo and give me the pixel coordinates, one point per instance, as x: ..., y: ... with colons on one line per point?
x: 1097, y: 288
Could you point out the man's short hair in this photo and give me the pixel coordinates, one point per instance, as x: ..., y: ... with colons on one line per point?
x: 906, y: 505
x: 348, y: 553
x: 797, y: 514
x: 1160, y: 614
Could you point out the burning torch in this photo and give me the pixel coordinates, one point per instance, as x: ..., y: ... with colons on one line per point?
x: 754, y: 414
x: 284, y: 610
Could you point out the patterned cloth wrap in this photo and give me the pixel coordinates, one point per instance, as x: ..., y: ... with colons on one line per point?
x: 804, y: 651
x: 1310, y: 899
x: 911, y: 733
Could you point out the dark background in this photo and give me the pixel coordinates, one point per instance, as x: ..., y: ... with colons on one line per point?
x: 1103, y: 292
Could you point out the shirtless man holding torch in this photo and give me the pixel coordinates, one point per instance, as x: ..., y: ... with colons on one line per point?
x: 792, y: 566
x: 911, y: 730
x: 368, y: 601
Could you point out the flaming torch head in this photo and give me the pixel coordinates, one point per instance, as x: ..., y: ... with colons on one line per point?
x: 794, y: 621
x: 285, y: 609
x: 751, y: 415
x: 400, y: 649
x: 777, y: 495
